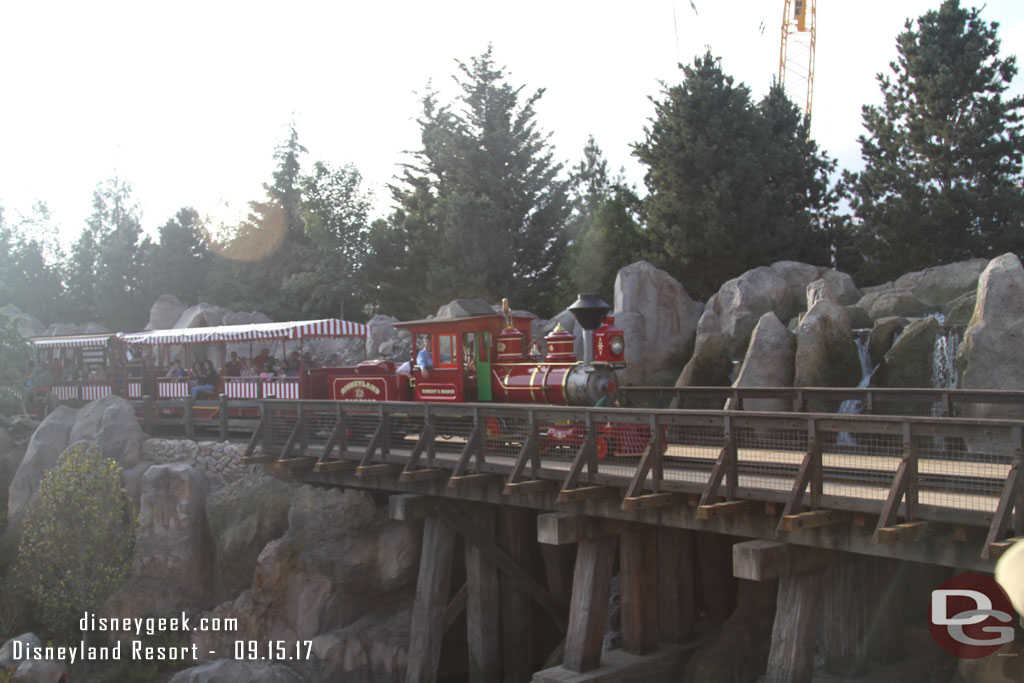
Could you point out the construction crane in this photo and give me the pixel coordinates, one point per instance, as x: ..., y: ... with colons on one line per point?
x: 796, y: 54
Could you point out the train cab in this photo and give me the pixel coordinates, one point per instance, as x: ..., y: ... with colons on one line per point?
x: 461, y: 351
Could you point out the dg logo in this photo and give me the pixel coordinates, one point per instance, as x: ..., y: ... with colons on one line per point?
x: 970, y: 616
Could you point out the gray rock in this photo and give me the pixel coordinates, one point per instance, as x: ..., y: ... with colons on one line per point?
x: 961, y: 310
x: 7, y: 659
x: 110, y: 422
x: 464, y: 308
x: 741, y: 302
x: 11, y: 455
x: 893, y: 302
x: 818, y: 290
x: 244, y: 516
x: 768, y: 363
x: 842, y: 286
x: 797, y: 276
x: 201, y: 315
x: 883, y: 334
x: 340, y: 559
x: 373, y: 648
x: 382, y: 329
x: 941, y: 284
x: 859, y: 318
x: 43, y: 452
x: 243, y: 318
x: 991, y: 355
x: 909, y: 362
x: 231, y: 671
x: 41, y: 671
x: 711, y: 364
x: 27, y: 324
x: 659, y: 320
x: 826, y: 355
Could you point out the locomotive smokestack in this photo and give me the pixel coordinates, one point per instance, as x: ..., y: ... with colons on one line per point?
x: 589, y: 310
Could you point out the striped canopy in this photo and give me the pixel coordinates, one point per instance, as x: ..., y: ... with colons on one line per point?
x: 72, y: 341
x: 305, y: 329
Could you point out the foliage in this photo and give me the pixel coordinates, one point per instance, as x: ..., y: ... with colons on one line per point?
x: 30, y: 273
x: 732, y: 185
x: 15, y: 354
x: 335, y: 213
x: 942, y: 177
x: 76, y: 537
x: 481, y: 210
x: 180, y: 261
x: 604, y: 231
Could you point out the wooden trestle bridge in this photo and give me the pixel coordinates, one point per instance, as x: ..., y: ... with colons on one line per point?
x: 821, y: 480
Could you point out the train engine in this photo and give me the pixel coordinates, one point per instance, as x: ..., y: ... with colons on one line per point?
x: 492, y: 357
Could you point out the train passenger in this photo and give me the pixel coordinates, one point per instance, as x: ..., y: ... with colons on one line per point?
x: 307, y: 360
x: 176, y: 370
x: 233, y: 368
x: 205, y: 378
x: 335, y: 360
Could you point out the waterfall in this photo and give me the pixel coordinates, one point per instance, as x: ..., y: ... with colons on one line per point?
x: 944, y: 374
x: 853, y: 406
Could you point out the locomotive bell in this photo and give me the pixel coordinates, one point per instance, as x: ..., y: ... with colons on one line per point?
x: 589, y: 310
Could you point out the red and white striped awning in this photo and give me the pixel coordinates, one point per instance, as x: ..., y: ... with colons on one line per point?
x: 72, y: 341
x: 331, y: 327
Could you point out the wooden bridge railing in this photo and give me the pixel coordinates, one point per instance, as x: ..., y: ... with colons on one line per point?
x: 820, y: 468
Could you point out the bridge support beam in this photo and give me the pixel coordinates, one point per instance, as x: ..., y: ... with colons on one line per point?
x: 800, y: 571
x: 677, y: 570
x: 517, y: 533
x: 432, y: 589
x: 483, y: 632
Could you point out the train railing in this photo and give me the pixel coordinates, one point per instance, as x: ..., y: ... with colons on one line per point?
x: 818, y: 467
x: 868, y: 401
x: 88, y: 390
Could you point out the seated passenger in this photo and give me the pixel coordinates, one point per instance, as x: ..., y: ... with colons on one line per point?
x: 233, y: 368
x: 176, y: 370
x: 205, y: 378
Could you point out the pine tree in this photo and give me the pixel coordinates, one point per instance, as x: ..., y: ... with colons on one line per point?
x: 731, y: 185
x: 482, y: 210
x: 943, y: 152
x: 179, y: 262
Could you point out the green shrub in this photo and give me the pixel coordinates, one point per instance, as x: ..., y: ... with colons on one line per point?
x: 76, y: 538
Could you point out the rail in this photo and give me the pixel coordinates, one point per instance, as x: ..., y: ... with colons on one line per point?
x: 869, y: 401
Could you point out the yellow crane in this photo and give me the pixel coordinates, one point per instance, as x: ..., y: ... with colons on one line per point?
x: 796, y: 54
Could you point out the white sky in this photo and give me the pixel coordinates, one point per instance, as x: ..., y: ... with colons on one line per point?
x: 186, y: 101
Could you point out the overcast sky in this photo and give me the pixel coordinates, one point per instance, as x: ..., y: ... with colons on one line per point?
x: 186, y: 101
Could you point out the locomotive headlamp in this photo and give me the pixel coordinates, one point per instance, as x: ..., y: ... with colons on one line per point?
x: 617, y: 345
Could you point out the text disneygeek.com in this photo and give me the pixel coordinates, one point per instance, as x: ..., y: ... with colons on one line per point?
x: 140, y: 650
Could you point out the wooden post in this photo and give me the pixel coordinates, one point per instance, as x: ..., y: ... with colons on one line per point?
x: 796, y: 624
x: 588, y: 612
x: 147, y: 414
x: 639, y: 583
x: 482, y: 609
x: 518, y: 531
x: 223, y: 411
x: 718, y: 587
x: 677, y: 574
x: 428, y: 609
x: 190, y: 428
x: 863, y: 614
x: 559, y: 561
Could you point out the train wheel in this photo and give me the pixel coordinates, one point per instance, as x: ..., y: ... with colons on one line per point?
x: 605, y: 447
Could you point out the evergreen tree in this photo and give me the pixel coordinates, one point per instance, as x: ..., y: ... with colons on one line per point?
x: 731, y: 185
x: 119, y: 296
x: 335, y: 213
x: 943, y: 152
x: 30, y: 272
x: 268, y: 247
x: 481, y: 211
x: 604, y: 232
x: 179, y: 262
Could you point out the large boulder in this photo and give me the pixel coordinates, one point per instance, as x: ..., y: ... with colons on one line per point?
x: 711, y: 364
x: 842, y: 285
x: 909, y: 362
x: 883, y: 335
x: 244, y: 318
x: 11, y: 454
x: 341, y: 559
x: 893, y: 302
x: 741, y: 302
x: 659, y: 320
x: 165, y: 312
x: 244, y: 516
x: 41, y: 671
x: 26, y: 324
x: 43, y: 452
x: 991, y: 355
x: 172, y: 562
x: 769, y: 362
x: 941, y: 284
x: 797, y: 276
x: 201, y: 315
x: 8, y: 661
x: 382, y: 331
x: 464, y: 308
x: 959, y: 311
x: 818, y: 290
x: 110, y: 422
x: 371, y: 649
x: 826, y: 354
